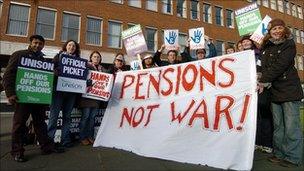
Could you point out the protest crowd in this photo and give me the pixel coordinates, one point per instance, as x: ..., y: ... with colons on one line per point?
x: 278, y: 87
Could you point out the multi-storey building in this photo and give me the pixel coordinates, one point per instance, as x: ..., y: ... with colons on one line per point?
x: 97, y: 24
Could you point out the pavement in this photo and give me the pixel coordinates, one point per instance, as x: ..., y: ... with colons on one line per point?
x: 81, y: 157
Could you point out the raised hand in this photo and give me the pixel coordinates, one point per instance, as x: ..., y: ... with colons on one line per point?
x: 171, y: 38
x: 197, y: 36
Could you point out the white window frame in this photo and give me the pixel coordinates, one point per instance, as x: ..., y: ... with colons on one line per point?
x: 273, y: 4
x: 209, y: 13
x: 156, y: 4
x: 155, y: 38
x: 293, y: 8
x: 302, y: 36
x: 222, y: 15
x: 197, y: 8
x: 297, y: 35
x: 1, y: 2
x: 232, y: 18
x: 28, y: 18
x: 135, y: 5
x: 101, y: 30
x: 162, y: 7
x: 116, y: 1
x: 280, y: 4
x: 265, y: 3
x: 184, y: 9
x: 121, y: 28
x: 300, y: 12
x: 287, y: 9
x: 55, y: 20
x: 71, y: 13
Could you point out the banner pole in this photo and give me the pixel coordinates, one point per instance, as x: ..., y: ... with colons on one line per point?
x: 140, y: 63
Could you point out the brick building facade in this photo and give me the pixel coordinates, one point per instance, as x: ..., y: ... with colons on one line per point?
x: 96, y: 25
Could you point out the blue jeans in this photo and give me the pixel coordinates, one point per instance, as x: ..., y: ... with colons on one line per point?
x: 61, y: 101
x: 87, y: 122
x: 287, y: 135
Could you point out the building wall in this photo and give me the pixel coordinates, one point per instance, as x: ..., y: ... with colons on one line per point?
x: 125, y: 14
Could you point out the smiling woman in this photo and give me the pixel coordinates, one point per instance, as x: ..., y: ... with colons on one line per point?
x: 278, y: 53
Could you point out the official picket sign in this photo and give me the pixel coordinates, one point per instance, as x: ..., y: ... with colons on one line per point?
x: 248, y: 19
x: 34, y: 81
x: 134, y: 40
x: 72, y: 75
x: 101, y: 86
x: 201, y: 112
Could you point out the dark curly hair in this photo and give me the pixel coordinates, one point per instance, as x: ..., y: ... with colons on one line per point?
x: 77, y: 51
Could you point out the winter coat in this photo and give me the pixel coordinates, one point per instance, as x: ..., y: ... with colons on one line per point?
x: 187, y: 57
x: 159, y: 62
x: 278, y: 69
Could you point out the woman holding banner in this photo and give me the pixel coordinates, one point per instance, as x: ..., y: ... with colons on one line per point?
x: 90, y: 107
x: 278, y: 53
x: 62, y: 101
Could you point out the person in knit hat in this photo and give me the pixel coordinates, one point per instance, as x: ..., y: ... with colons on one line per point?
x: 278, y: 53
x: 148, y: 62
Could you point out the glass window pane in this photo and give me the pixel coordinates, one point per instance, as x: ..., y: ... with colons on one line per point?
x: 93, y: 31
x: 70, y: 27
x: 18, y: 19
x: 114, y: 31
x: 151, y: 5
x: 45, y: 23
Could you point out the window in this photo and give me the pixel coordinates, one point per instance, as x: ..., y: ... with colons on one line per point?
x: 230, y: 18
x: 151, y: 5
x: 46, y: 23
x: 151, y: 37
x: 280, y: 5
x: 300, y: 62
x: 194, y: 9
x: 219, y: 16
x: 114, y: 36
x: 293, y: 10
x: 70, y: 27
x: 135, y: 3
x: 182, y: 40
x: 167, y: 6
x: 273, y: 4
x: 207, y: 13
x: 257, y: 1
x: 291, y: 30
x: 300, y: 12
x: 302, y: 36
x: 297, y: 34
x: 131, y: 25
x: 94, y: 31
x: 1, y: 3
x: 182, y: 8
x: 18, y: 19
x: 219, y: 46
x: 117, y: 1
x: 265, y: 3
x: 286, y: 7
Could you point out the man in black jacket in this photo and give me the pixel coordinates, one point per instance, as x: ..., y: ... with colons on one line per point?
x: 23, y: 110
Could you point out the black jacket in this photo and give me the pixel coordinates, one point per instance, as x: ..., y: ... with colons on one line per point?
x: 278, y: 69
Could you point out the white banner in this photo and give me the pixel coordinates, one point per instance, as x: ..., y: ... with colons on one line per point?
x: 171, y: 39
x: 197, y: 40
x: 202, y: 112
x: 71, y: 85
x: 101, y: 86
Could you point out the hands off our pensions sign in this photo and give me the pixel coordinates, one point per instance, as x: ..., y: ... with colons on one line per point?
x: 34, y: 81
x: 100, y: 86
x: 248, y: 19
